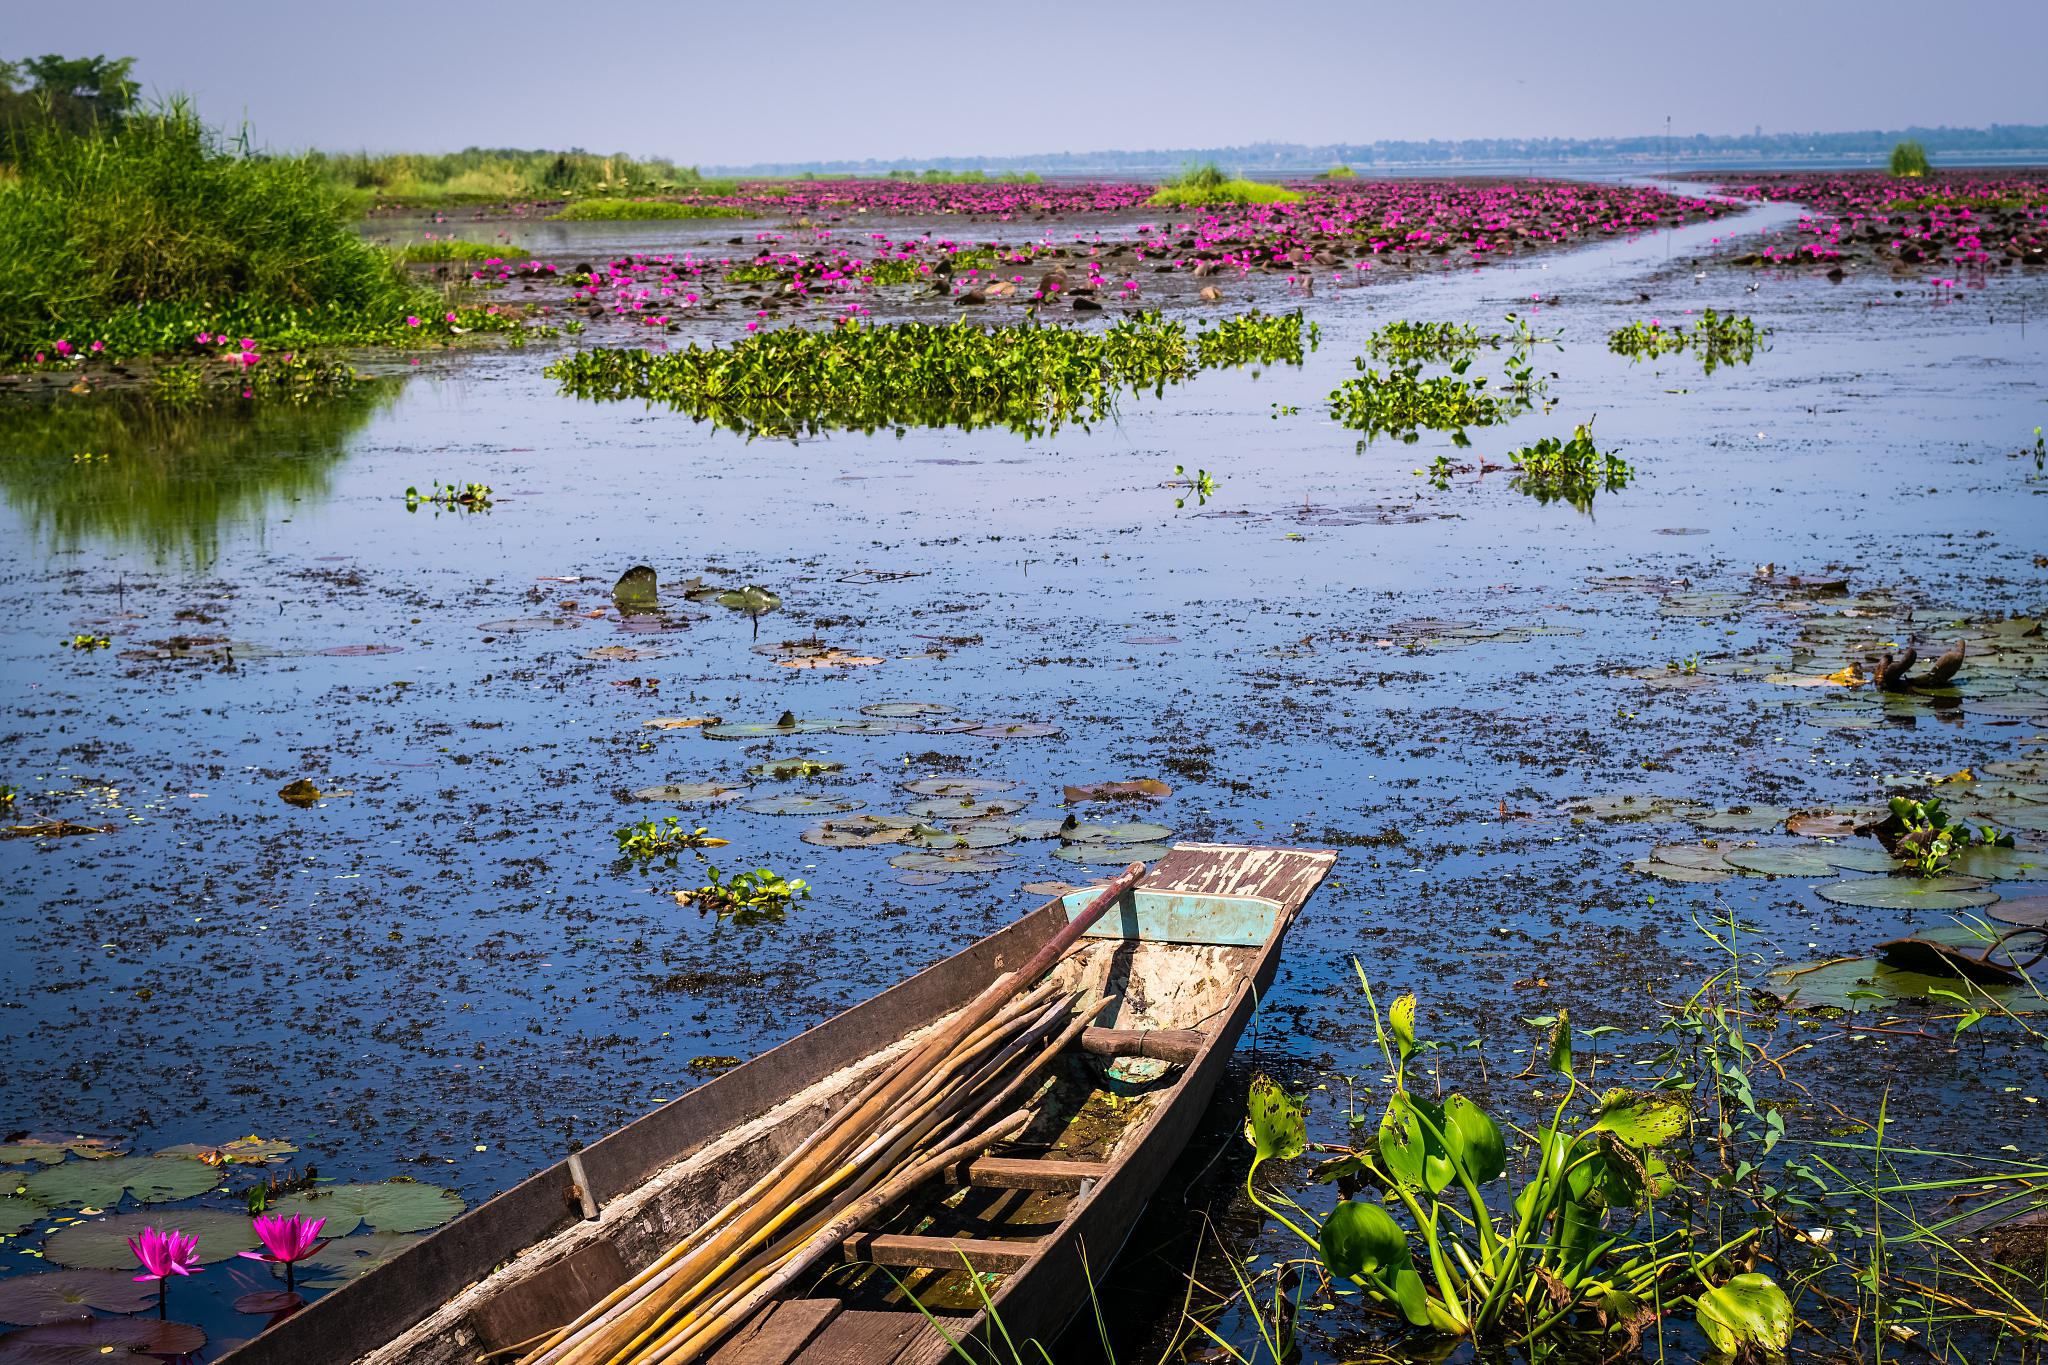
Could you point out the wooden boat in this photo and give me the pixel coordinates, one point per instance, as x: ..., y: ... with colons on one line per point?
x: 1183, y: 961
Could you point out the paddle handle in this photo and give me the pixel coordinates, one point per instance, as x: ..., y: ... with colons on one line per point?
x: 1054, y: 950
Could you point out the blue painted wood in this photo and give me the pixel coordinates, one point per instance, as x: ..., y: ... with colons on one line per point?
x: 1182, y: 917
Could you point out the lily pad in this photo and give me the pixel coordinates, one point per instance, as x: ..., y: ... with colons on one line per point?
x: 958, y: 786
x: 1130, y: 832
x: 1860, y: 983
x: 906, y: 710
x: 1038, y: 829
x: 678, y: 722
x: 1016, y: 729
x: 2004, y: 864
x: 18, y: 1212
x: 103, y: 1243
x: 800, y: 803
x: 526, y: 623
x: 55, y: 1295
x: 787, y: 769
x: 1137, y: 788
x: 965, y: 807
x: 1829, y: 824
x: 692, y: 793
x: 767, y: 729
x: 1673, y: 872
x: 390, y: 1206
x: 350, y: 1258
x: 1856, y: 857
x: 860, y: 831
x: 1779, y: 862
x: 242, y: 1151
x: 1110, y: 855
x: 968, y: 860
x: 1909, y: 893
x: 2031, y: 911
x: 94, y: 1341
x: 1690, y: 855
x: 986, y: 834
x: 872, y: 727
x: 146, y: 1179
x: 1630, y: 806
x: 1745, y: 819
x: 753, y: 599
x: 51, y: 1148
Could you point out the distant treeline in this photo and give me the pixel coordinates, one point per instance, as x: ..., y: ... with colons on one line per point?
x: 2004, y: 140
x: 73, y: 93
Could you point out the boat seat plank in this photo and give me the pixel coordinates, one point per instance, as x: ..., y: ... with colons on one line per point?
x: 862, y: 1336
x: 938, y: 1253
x: 779, y: 1335
x: 1048, y: 1174
x: 1285, y: 875
x: 552, y: 1296
x: 1178, y: 1045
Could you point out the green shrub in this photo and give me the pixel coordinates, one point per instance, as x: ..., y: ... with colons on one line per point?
x: 1223, y: 192
x: 454, y: 249
x: 637, y: 210
x: 1909, y: 159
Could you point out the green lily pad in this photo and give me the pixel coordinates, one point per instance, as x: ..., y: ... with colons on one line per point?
x: 986, y: 834
x: 147, y: 1179
x: 1110, y: 855
x: 2021, y: 769
x: 801, y: 803
x: 788, y: 769
x: 18, y: 1211
x: 967, y: 860
x: 55, y: 1295
x: 391, y: 1206
x: 958, y: 786
x: 242, y: 1151
x: 2005, y: 864
x: 906, y: 710
x: 1856, y: 857
x: 102, y: 1244
x: 1015, y: 729
x: 926, y: 835
x: 51, y: 1148
x: 1674, y: 872
x: 1780, y: 862
x: 1690, y: 855
x: 1860, y: 983
x: 860, y: 831
x: 1745, y: 819
x: 94, y: 1341
x: 768, y: 729
x: 692, y: 793
x: 964, y: 807
x: 1129, y: 832
x: 1909, y: 893
x: 2031, y: 911
x: 874, y: 727
x: 1038, y: 829
x: 350, y: 1258
x: 1630, y: 806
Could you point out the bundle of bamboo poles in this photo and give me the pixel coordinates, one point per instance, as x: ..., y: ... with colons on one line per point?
x: 945, y: 1102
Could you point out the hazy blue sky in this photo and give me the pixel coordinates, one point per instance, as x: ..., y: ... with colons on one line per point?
x: 788, y: 80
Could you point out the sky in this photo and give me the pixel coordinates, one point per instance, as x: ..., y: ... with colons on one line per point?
x: 796, y: 80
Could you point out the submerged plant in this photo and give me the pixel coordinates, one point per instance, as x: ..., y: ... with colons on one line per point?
x: 1569, y: 471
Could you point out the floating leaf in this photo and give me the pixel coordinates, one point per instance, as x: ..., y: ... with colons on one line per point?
x: 905, y: 710
x: 390, y: 1206
x: 872, y: 727
x: 1129, y: 832
x: 94, y: 1341
x: 958, y: 786
x: 861, y: 831
x: 1749, y: 1311
x: 103, y: 1243
x: 349, y: 1258
x: 753, y: 599
x: 800, y: 803
x: 1690, y: 855
x: 971, y: 860
x: 1137, y: 788
x: 2027, y: 910
x: 243, y: 1151
x: 679, y: 722
x: 1675, y: 872
x: 18, y: 1212
x: 833, y: 658
x: 1779, y: 862
x: 1110, y: 855
x: 1909, y: 893
x: 965, y: 807
x: 1015, y: 729
x: 526, y: 623
x: 692, y: 793
x: 51, y: 1148
x: 1862, y: 983
x: 57, y: 1294
x: 1038, y: 829
x: 147, y: 1179
x: 265, y: 1302
x: 785, y: 769
x: 1745, y: 819
x: 766, y: 729
x: 2005, y: 864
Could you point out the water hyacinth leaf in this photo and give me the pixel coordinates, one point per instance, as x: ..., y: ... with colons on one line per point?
x: 692, y: 793
x: 1275, y: 1124
x: 800, y: 803
x: 1362, y: 1239
x: 1110, y: 855
x: 1909, y: 893
x: 51, y: 1148
x: 1673, y: 872
x: 1641, y: 1118
x: 967, y: 861
x: 349, y: 1258
x: 958, y: 786
x: 390, y: 1206
x: 1412, y: 1153
x: 102, y: 1244
x: 906, y: 710
x: 2004, y: 864
x: 94, y: 1341
x: 146, y: 1179
x: 1401, y: 1023
x: 1749, y: 1313
x: 964, y: 807
x: 1474, y: 1139
x: 54, y: 1295
x: 1779, y: 862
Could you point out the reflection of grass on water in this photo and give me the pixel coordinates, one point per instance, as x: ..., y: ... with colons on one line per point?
x: 126, y: 470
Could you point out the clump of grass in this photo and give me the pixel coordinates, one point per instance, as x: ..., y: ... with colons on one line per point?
x: 442, y: 249
x: 642, y: 210
x: 1909, y: 160
x: 500, y: 173
x: 1569, y: 471
x: 1204, y: 185
x: 1338, y: 172
x: 128, y: 235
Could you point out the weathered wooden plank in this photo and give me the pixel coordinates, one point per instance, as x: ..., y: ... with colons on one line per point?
x: 937, y: 1253
x: 549, y: 1298
x: 1286, y: 875
x: 1179, y: 1045
x: 861, y: 1336
x: 778, y: 1335
x: 1028, y: 1173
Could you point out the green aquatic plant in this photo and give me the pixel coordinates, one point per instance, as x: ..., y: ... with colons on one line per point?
x: 641, y: 210
x: 1717, y: 339
x: 1201, y: 483
x: 1203, y: 185
x: 1645, y: 340
x: 867, y: 378
x: 1909, y: 161
x: 1401, y: 402
x: 500, y: 173
x: 87, y: 642
x: 466, y: 497
x: 1925, y: 841
x: 1569, y: 471
x: 1402, y: 341
x: 747, y: 898
x: 649, y: 839
x: 894, y: 270
x: 755, y: 274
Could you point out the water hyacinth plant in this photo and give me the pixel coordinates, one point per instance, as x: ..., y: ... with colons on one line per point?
x: 1569, y: 471
x: 1401, y: 402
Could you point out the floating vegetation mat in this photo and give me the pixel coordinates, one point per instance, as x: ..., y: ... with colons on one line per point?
x: 1029, y: 378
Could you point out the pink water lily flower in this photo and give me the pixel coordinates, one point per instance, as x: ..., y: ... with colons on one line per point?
x: 164, y: 1254
x: 287, y: 1239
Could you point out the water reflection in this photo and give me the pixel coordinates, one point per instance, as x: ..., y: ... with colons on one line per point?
x: 126, y: 471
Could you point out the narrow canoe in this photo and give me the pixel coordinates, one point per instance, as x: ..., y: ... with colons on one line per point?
x: 1184, y: 961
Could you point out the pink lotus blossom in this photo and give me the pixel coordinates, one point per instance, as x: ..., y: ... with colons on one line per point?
x: 164, y: 1254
